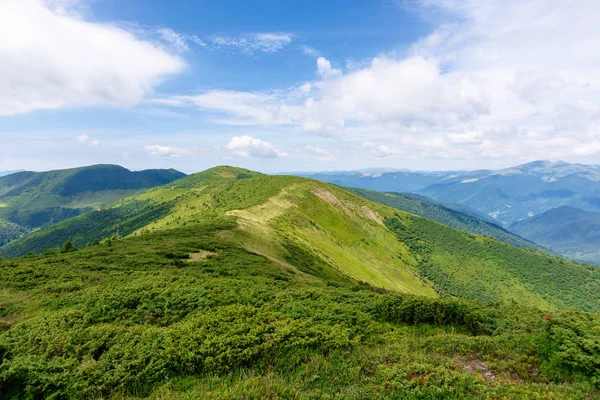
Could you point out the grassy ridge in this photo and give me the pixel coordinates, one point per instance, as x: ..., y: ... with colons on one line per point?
x: 232, y: 284
x: 439, y: 213
x: 328, y: 232
x: 188, y: 313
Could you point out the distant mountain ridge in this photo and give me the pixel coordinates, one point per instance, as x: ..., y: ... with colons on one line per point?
x: 507, y: 195
x: 453, y: 218
x: 29, y: 200
x: 566, y: 230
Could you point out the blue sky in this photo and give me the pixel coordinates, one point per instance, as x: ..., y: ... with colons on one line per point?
x: 298, y: 85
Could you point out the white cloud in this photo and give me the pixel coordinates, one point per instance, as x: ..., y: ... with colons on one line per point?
x: 85, y: 139
x: 165, y: 151
x: 179, y: 42
x: 472, y: 137
x: 247, y: 146
x: 380, y: 150
x: 324, y: 69
x: 176, y: 39
x: 250, y: 43
x: 310, y: 51
x: 500, y: 79
x: 51, y: 58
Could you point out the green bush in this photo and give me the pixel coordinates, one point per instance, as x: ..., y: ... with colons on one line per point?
x: 570, y: 347
x: 421, y: 310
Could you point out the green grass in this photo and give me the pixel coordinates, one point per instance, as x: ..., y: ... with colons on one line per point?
x: 135, y: 318
x: 302, y: 290
x: 332, y: 233
x: 434, y: 211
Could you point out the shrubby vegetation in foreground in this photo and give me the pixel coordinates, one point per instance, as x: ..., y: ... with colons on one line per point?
x: 233, y: 284
x: 186, y: 313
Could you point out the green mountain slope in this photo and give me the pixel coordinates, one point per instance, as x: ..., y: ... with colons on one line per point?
x: 242, y: 285
x: 29, y: 200
x: 456, y: 219
x: 326, y: 231
x: 568, y: 231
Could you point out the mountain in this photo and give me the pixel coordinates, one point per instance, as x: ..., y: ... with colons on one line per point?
x: 566, y: 230
x: 343, y: 235
x: 4, y: 173
x: 513, y: 194
x: 233, y: 284
x: 30, y: 200
x: 506, y: 195
x: 382, y: 179
x: 448, y: 216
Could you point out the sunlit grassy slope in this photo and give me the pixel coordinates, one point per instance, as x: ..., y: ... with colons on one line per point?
x: 430, y: 209
x: 232, y: 284
x: 326, y: 231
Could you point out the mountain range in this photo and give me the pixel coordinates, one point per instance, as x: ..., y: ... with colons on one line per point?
x: 565, y: 230
x: 229, y: 283
x: 334, y: 234
x: 30, y: 200
x: 509, y: 197
x: 455, y: 217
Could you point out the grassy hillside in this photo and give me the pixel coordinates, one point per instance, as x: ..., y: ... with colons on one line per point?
x: 328, y: 232
x: 568, y: 231
x: 189, y: 313
x: 232, y: 284
x: 30, y: 200
x: 444, y: 215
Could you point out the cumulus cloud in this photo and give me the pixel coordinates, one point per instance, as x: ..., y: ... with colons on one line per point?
x: 82, y: 139
x: 478, y: 86
x: 165, y: 151
x: 254, y: 42
x: 380, y: 150
x: 472, y: 137
x: 247, y: 146
x: 85, y: 139
x: 325, y: 70
x: 412, y: 91
x: 51, y: 58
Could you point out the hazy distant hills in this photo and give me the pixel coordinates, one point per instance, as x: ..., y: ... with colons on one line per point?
x: 541, y: 201
x: 507, y: 195
x: 29, y: 200
x: 520, y: 192
x: 566, y: 230
x: 454, y: 218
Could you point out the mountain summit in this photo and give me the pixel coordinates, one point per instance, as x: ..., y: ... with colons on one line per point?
x: 30, y: 200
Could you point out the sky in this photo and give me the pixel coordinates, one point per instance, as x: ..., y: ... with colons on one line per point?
x: 298, y: 85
